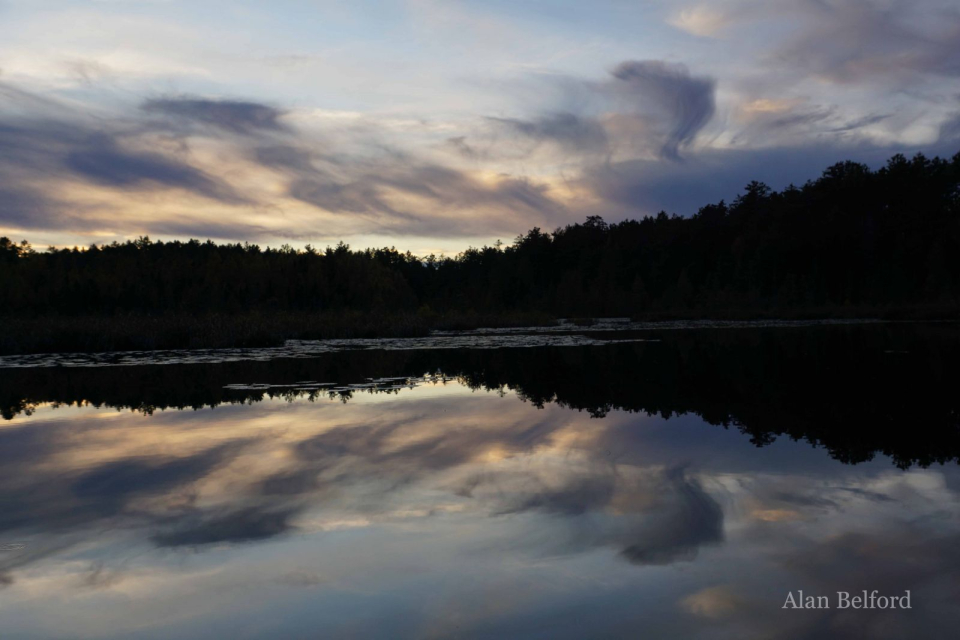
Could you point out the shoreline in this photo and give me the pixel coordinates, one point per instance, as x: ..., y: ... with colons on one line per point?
x: 26, y: 335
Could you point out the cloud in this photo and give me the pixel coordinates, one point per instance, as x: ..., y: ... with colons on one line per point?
x: 231, y: 115
x: 101, y: 160
x: 116, y: 483
x: 30, y: 209
x: 99, y: 577
x: 949, y: 130
x: 244, y: 525
x: 63, y: 502
x: 841, y: 41
x: 853, y: 40
x: 296, y: 482
x: 644, y: 107
x: 700, y: 20
x: 401, y: 194
x: 354, y: 196
x: 570, y: 132
x: 576, y: 497
x: 370, y: 185
x: 375, y: 445
x: 653, y: 517
x: 767, y: 123
x: 713, y: 602
x: 462, y: 147
x: 49, y: 148
x: 688, y: 521
x: 285, y: 156
x: 684, y: 103
x: 847, y: 42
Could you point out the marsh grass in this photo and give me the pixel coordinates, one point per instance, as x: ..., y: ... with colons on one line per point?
x: 945, y: 311
x: 140, y: 332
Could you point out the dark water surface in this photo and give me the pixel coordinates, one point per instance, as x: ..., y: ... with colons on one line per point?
x: 626, y: 482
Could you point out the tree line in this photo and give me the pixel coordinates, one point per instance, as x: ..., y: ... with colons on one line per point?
x: 854, y: 237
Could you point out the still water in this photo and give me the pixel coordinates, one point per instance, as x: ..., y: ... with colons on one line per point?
x: 654, y: 483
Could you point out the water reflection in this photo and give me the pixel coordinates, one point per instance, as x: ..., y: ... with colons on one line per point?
x: 583, y: 492
x: 855, y: 390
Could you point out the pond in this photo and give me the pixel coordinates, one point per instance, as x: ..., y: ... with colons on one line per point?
x: 611, y: 481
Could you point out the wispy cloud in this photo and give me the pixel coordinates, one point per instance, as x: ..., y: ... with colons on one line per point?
x: 153, y: 150
x: 682, y: 102
x: 232, y: 115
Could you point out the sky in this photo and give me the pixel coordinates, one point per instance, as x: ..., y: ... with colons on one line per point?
x: 434, y: 125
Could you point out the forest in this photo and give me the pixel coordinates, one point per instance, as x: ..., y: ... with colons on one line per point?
x: 853, y: 242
